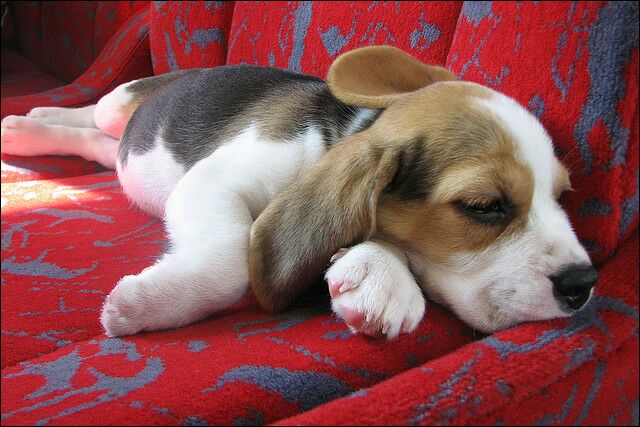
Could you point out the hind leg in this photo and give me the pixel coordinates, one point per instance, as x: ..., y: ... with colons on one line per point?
x: 24, y: 136
x: 206, y: 269
x: 205, y: 272
x: 91, y: 132
x: 74, y: 117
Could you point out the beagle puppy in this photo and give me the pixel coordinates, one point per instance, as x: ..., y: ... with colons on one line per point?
x: 390, y: 179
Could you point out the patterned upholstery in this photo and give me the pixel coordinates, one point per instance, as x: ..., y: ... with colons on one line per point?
x: 64, y: 38
x: 307, y: 36
x: 189, y: 34
x: 67, y: 240
x: 20, y: 76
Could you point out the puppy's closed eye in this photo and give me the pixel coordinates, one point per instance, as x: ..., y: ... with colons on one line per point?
x: 490, y: 211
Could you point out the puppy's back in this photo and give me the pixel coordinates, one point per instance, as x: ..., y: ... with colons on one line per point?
x: 201, y: 109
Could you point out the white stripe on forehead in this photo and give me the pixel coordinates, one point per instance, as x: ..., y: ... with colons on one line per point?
x: 547, y: 220
x: 533, y: 144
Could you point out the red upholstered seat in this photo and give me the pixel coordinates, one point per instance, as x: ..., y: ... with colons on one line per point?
x: 68, y: 232
x: 21, y: 77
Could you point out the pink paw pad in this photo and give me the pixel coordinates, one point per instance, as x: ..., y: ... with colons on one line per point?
x: 351, y: 317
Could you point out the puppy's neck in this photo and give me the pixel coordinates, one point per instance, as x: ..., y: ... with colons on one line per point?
x: 363, y: 118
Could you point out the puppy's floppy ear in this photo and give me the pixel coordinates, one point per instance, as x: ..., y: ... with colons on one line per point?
x: 376, y: 76
x: 331, y: 206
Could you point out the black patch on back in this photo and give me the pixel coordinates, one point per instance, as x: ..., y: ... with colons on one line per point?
x: 195, y: 110
x: 143, y: 126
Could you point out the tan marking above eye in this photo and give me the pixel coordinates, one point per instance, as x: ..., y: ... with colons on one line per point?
x: 481, y: 198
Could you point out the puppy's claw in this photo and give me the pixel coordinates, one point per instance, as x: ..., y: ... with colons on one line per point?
x: 409, y: 325
x: 336, y: 288
x: 347, y: 286
x: 341, y: 252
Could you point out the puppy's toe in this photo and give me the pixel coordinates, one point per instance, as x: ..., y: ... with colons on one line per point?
x: 122, y: 312
x: 352, y: 317
x: 24, y: 136
x: 10, y: 128
x: 42, y: 112
x: 10, y: 122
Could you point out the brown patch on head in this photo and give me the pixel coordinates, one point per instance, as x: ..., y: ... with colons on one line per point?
x: 437, y: 227
x: 472, y: 162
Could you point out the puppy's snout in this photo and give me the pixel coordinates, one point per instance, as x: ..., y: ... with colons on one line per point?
x: 572, y: 286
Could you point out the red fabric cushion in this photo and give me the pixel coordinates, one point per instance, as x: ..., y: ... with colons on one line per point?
x: 68, y: 30
x: 578, y: 371
x: 109, y: 17
x: 124, y: 59
x: 17, y: 169
x: 21, y: 77
x: 62, y: 252
x: 27, y: 34
x: 307, y: 36
x: 189, y: 34
x: 270, y: 367
x: 575, y: 65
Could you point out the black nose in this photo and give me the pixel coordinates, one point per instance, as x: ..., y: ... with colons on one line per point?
x: 573, y: 285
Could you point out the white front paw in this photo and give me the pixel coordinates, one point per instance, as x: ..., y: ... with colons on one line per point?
x: 374, y: 292
x: 123, y: 310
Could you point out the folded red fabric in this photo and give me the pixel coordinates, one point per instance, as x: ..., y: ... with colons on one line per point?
x: 125, y: 58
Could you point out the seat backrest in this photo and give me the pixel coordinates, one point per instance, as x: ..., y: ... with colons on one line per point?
x: 63, y: 38
x: 307, y: 36
x: 189, y: 34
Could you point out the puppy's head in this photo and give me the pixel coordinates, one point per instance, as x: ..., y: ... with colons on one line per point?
x: 461, y: 177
